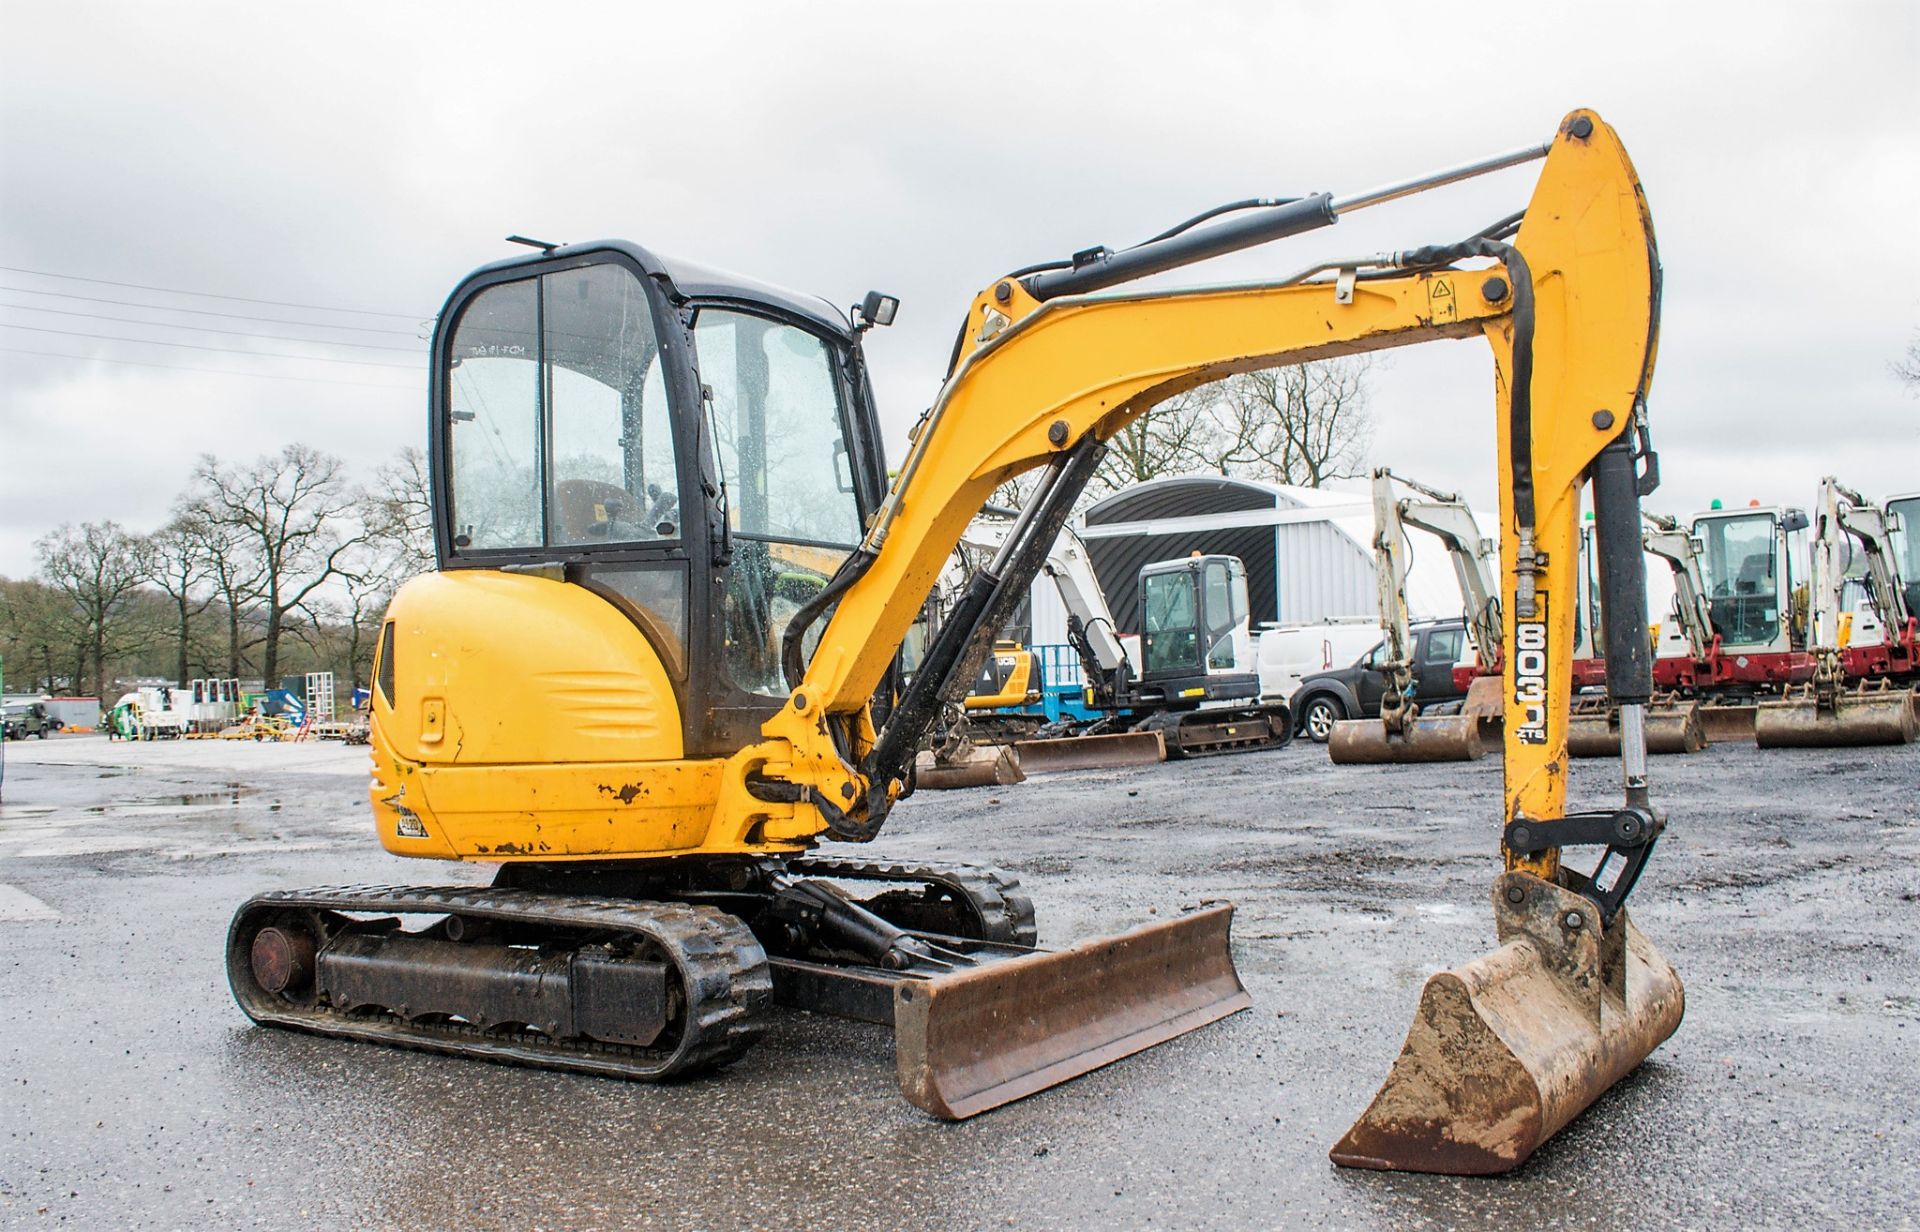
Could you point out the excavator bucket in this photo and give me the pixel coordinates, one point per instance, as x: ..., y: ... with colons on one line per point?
x: 1670, y: 729
x: 1450, y: 737
x: 1486, y: 705
x: 991, y: 1034
x: 1091, y: 752
x: 1506, y: 1049
x: 1862, y: 717
x: 981, y: 766
x: 1727, y: 722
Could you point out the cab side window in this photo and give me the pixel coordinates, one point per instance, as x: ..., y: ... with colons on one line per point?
x: 611, y: 479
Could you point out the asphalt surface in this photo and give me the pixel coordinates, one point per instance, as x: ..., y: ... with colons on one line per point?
x: 134, y: 1094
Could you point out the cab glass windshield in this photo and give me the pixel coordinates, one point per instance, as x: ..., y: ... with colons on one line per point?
x: 1741, y: 570
x: 1170, y: 638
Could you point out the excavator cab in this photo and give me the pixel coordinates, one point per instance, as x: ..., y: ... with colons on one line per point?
x: 1754, y: 561
x: 1196, y: 641
x: 699, y: 451
x: 1903, y: 516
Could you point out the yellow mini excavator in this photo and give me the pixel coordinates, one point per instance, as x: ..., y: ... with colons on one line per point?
x: 656, y: 667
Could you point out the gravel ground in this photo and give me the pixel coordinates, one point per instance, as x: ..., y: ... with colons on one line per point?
x: 134, y: 1094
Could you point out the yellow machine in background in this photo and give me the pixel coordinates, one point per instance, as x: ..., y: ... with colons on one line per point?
x: 628, y: 689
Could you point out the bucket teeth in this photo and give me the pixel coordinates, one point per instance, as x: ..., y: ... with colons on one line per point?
x: 1506, y: 1049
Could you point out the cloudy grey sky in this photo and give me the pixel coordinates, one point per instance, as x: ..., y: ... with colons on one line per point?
x: 365, y: 156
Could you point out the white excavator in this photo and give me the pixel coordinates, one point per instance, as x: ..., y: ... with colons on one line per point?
x: 1402, y: 733
x: 1862, y: 692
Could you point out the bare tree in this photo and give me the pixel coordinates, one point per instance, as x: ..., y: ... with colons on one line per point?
x: 294, y: 512
x: 1171, y: 439
x: 1908, y: 369
x: 399, y: 511
x: 232, y: 567
x: 1304, y: 425
x: 97, y: 567
x: 39, y: 627
x: 178, y: 564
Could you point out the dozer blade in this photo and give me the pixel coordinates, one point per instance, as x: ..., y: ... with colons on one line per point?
x: 1091, y: 752
x: 1859, y: 719
x: 983, y: 766
x: 1451, y: 737
x: 988, y: 1035
x: 1507, y: 1048
x: 1670, y: 729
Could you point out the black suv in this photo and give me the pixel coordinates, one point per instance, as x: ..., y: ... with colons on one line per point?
x: 1324, y: 698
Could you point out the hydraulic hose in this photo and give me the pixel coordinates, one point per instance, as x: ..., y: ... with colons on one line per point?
x: 1520, y: 392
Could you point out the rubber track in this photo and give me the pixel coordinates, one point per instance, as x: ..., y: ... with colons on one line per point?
x: 1168, y: 724
x: 723, y: 968
x: 1006, y: 911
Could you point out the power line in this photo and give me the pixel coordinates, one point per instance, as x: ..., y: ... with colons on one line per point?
x: 262, y: 376
x: 208, y: 312
x: 208, y: 329
x: 194, y: 346
x: 239, y: 299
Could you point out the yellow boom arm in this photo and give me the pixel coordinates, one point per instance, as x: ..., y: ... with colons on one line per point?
x: 1035, y: 379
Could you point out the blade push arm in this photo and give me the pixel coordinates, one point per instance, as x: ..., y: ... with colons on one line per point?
x: 1046, y: 383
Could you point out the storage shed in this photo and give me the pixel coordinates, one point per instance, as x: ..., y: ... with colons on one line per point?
x: 1308, y: 551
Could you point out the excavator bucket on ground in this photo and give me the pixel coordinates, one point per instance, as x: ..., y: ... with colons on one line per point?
x: 997, y: 1032
x: 1862, y: 716
x: 1486, y: 705
x: 1676, y: 728
x: 1509, y: 1047
x: 1449, y: 737
x: 1727, y: 722
x: 980, y: 766
x: 1136, y: 748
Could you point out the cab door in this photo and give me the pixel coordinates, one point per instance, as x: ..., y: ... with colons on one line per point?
x: 560, y: 439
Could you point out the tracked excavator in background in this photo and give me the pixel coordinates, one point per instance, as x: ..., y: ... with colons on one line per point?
x: 1674, y: 722
x: 1192, y: 691
x: 654, y: 668
x: 1402, y: 733
x: 1860, y: 693
x: 1752, y: 566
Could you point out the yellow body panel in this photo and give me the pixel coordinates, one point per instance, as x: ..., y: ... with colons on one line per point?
x: 1022, y: 685
x: 533, y: 721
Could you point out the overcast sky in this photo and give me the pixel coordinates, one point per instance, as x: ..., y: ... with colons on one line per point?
x: 365, y: 156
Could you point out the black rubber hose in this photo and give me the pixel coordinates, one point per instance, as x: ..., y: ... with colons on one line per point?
x: 1520, y: 399
x: 851, y: 571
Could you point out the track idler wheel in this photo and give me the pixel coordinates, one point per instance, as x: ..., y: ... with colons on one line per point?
x: 282, y: 958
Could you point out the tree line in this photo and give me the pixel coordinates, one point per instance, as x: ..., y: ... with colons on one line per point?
x: 285, y: 565
x: 271, y: 567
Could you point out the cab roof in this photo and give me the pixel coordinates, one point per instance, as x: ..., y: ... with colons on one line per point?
x: 691, y: 280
